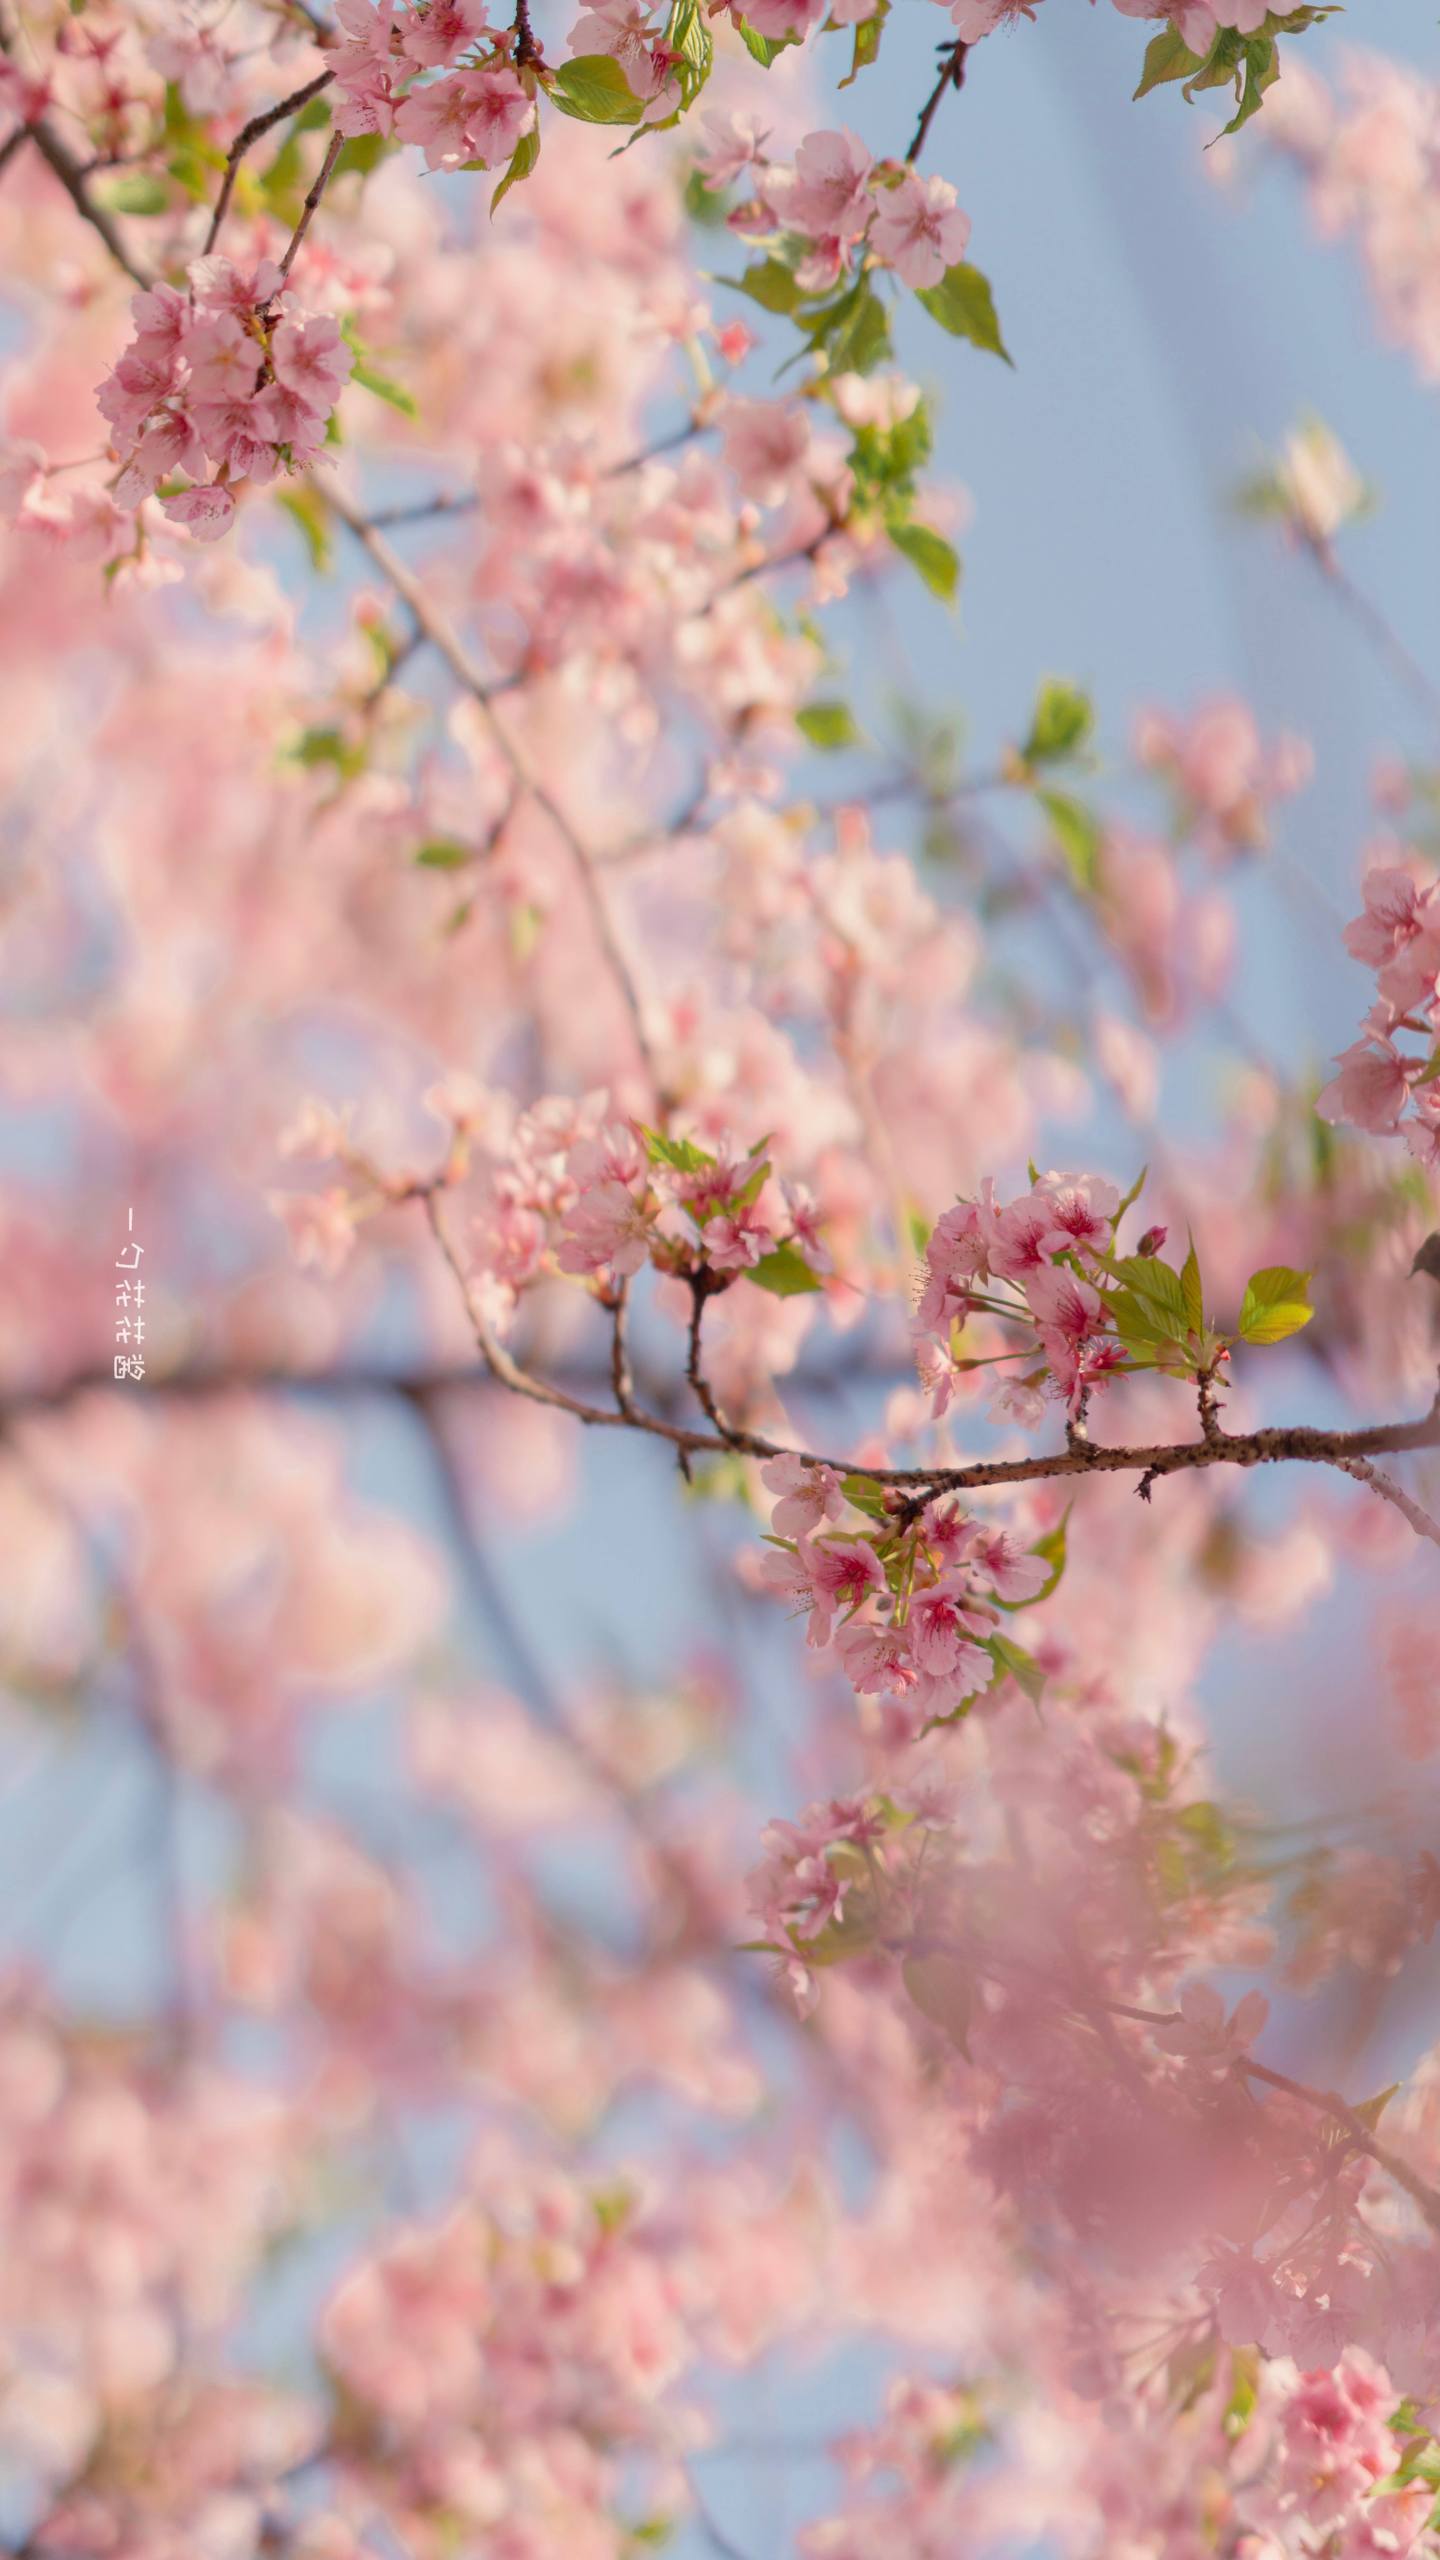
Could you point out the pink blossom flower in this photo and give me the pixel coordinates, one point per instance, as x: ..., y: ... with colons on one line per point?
x: 440, y: 32
x: 311, y: 361
x: 1371, y: 1089
x: 973, y: 19
x: 766, y: 445
x: 840, y: 1574
x: 941, y: 1627
x: 607, y: 1228
x: 735, y: 142
x: 1082, y: 1210
x: 808, y: 1496
x: 828, y: 195
x: 736, y: 1241
x: 207, y: 511
x: 500, y: 112
x: 919, y: 229
x: 1012, y: 1573
x: 1202, y: 2032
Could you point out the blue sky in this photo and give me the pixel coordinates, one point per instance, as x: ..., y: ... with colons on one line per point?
x: 1162, y: 328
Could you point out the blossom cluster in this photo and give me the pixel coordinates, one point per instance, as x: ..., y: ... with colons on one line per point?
x: 840, y: 203
x: 225, y: 381
x: 1225, y: 778
x: 473, y: 113
x: 1367, y: 156
x: 1039, y: 1249
x: 912, y: 1607
x: 1381, y: 1086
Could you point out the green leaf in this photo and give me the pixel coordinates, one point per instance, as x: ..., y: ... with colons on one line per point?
x: 864, y: 1494
x: 1372, y: 2109
x: 1141, y: 1328
x: 768, y: 282
x: 963, y: 303
x: 828, y: 724
x: 681, y: 1154
x: 704, y: 203
x: 370, y: 378
x: 362, y: 153
x: 930, y: 553
x: 1276, y: 1304
x: 442, y: 853
x: 853, y: 331
x: 764, y: 48
x: 1021, y: 1666
x: 327, y: 746
x: 943, y: 1991
x: 1153, y: 1282
x: 1190, y: 1282
x: 305, y: 504
x: 382, y: 388
x: 1133, y: 1194
x: 687, y: 33
x: 867, y: 43
x: 784, y: 1272
x: 1262, y: 70
x: 1167, y: 57
x: 593, y: 87
x: 1063, y: 719
x: 137, y: 191
x: 1077, y: 833
x: 527, y: 152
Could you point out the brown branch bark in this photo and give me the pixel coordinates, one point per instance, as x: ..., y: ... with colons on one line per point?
x: 246, y: 139
x: 1293, y: 1443
x: 69, y: 168
x: 952, y: 76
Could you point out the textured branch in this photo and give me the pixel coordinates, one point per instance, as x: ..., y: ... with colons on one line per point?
x: 1341, y: 2113
x: 448, y: 645
x: 952, y: 76
x: 1294, y: 1443
x: 70, y: 170
x: 246, y: 139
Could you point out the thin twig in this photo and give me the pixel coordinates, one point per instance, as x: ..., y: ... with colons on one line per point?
x: 1389, y: 1491
x: 1383, y: 638
x: 1341, y: 2113
x: 1296, y: 1443
x: 245, y: 140
x: 952, y: 76
x: 463, y: 668
x: 307, y: 211
x: 70, y: 170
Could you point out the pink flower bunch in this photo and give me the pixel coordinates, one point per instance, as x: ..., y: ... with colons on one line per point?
x: 224, y: 381
x: 512, y: 2349
x: 1224, y: 777
x: 842, y: 204
x: 1368, y: 158
x: 1380, y: 1086
x: 636, y: 1197
x: 477, y: 110
x: 909, y: 1605
x: 1198, y: 22
x: 1035, y: 1249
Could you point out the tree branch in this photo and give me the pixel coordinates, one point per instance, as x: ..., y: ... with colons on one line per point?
x: 1341, y: 2113
x: 70, y: 170
x: 952, y: 76
x: 245, y: 140
x: 1294, y: 1443
x: 463, y: 668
